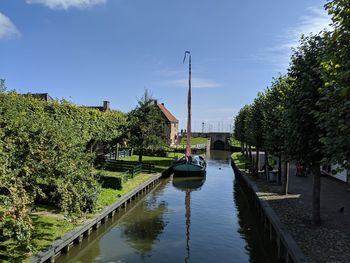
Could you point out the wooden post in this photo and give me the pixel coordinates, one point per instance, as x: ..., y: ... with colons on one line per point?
x: 97, y: 225
x: 113, y: 213
x: 88, y: 232
x: 66, y: 249
x: 78, y: 240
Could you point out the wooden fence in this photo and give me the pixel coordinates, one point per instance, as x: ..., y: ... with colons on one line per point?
x: 128, y: 166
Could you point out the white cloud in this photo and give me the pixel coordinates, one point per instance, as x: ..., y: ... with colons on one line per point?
x: 7, y: 28
x: 197, y: 83
x: 169, y: 72
x: 65, y: 4
x: 315, y: 21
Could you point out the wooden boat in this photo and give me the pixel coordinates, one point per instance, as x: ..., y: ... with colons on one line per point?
x: 189, y: 165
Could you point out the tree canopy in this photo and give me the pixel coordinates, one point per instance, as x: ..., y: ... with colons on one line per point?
x: 146, y: 126
x: 334, y: 105
x: 306, y: 113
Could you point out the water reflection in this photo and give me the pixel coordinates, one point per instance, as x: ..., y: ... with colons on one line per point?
x: 257, y: 245
x: 187, y: 185
x: 141, y: 232
x: 181, y: 219
x: 219, y: 159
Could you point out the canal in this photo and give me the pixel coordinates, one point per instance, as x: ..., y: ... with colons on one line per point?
x: 181, y: 221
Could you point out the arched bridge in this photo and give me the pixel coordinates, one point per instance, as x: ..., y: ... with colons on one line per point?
x: 218, y: 140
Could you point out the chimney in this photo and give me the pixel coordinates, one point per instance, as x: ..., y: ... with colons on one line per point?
x: 162, y: 103
x: 106, y: 105
x: 156, y: 102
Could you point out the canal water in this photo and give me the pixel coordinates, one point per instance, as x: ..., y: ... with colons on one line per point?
x: 181, y: 221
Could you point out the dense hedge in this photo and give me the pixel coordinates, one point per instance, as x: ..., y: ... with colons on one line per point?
x: 48, y: 144
x: 111, y: 182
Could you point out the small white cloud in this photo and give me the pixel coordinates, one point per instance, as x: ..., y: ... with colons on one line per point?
x: 66, y: 4
x: 279, y: 54
x: 315, y: 22
x: 168, y: 72
x: 197, y: 83
x: 7, y: 29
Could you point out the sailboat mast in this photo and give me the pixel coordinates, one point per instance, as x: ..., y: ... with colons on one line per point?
x: 188, y: 145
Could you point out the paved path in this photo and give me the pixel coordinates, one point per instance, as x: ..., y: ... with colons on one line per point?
x: 329, y: 242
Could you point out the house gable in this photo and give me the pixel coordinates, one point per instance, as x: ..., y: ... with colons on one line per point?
x: 168, y: 115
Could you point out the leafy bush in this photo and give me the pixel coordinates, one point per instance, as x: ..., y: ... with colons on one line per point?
x: 48, y: 144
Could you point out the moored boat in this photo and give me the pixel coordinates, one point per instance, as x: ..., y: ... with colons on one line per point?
x: 195, y: 165
x: 189, y: 165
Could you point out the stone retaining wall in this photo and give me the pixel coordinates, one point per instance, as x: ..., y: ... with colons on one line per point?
x: 287, y: 249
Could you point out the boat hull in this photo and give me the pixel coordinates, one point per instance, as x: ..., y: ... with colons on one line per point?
x: 188, y: 169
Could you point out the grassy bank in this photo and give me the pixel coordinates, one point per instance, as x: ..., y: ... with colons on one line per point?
x: 234, y: 142
x: 49, y: 224
x: 47, y: 227
x: 159, y: 162
x: 239, y: 159
x: 194, y: 140
x: 109, y: 196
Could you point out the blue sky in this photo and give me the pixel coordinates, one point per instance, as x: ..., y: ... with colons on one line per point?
x: 87, y: 51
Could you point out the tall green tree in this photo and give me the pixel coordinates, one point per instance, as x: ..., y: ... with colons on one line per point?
x: 108, y: 132
x: 146, y: 126
x: 256, y: 128
x: 275, y: 123
x: 248, y: 133
x: 303, y: 133
x: 239, y: 127
x: 334, y: 104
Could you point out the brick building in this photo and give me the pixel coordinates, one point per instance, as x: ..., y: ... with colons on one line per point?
x: 171, y: 125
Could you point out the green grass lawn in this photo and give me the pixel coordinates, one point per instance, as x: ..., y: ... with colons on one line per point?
x: 159, y: 162
x: 175, y: 155
x: 49, y: 224
x: 239, y: 159
x: 48, y: 228
x: 107, y: 173
x: 194, y: 140
x: 234, y: 142
x: 108, y: 196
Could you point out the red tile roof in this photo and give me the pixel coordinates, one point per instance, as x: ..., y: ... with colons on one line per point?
x: 167, y: 113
